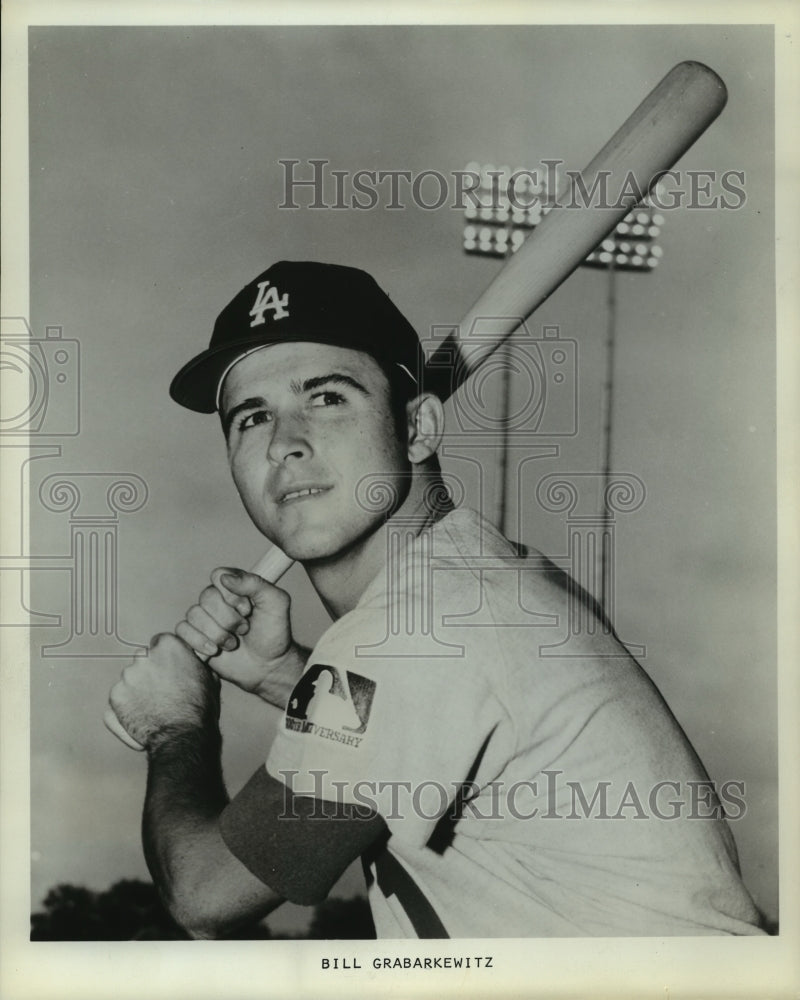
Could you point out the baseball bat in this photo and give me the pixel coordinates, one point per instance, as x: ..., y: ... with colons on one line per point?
x: 667, y: 122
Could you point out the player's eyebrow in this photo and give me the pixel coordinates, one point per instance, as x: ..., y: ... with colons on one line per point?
x: 335, y: 378
x: 315, y: 382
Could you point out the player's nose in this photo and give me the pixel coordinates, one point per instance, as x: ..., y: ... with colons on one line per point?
x: 288, y: 440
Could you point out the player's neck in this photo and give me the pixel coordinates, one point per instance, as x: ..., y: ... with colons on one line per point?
x: 340, y: 582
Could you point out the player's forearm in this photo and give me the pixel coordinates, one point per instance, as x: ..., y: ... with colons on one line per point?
x: 278, y: 684
x: 185, y: 796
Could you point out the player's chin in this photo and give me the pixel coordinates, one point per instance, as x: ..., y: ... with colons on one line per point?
x: 298, y: 538
x: 323, y: 541
x: 295, y: 532
x: 307, y: 551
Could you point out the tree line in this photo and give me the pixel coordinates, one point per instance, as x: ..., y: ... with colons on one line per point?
x: 131, y: 910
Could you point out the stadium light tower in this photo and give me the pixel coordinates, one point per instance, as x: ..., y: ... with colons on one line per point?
x: 498, y: 221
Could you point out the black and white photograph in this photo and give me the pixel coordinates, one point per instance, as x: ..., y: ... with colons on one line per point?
x: 397, y: 433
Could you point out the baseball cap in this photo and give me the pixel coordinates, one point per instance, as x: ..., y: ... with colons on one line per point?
x: 301, y: 301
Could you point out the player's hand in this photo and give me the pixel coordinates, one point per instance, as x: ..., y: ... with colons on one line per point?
x: 241, y: 622
x: 165, y: 690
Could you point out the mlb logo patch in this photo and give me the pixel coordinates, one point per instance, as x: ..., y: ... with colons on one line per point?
x: 331, y: 703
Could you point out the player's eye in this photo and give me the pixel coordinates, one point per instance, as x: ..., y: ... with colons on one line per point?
x: 253, y: 419
x: 327, y: 397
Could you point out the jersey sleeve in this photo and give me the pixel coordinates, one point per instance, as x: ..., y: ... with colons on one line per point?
x: 298, y: 846
x: 399, y: 735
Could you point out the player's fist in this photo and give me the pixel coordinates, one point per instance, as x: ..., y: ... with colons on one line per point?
x: 165, y: 690
x: 241, y: 623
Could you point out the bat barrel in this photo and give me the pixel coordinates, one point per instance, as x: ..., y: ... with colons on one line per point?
x: 650, y: 142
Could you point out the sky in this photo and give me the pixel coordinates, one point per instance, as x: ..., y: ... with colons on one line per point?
x: 155, y: 186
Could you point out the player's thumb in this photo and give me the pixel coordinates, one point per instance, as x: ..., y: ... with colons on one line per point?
x: 243, y: 584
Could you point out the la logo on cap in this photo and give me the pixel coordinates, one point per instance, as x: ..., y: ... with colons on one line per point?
x: 268, y: 298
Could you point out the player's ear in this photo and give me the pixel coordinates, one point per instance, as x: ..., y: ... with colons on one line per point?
x: 425, y: 415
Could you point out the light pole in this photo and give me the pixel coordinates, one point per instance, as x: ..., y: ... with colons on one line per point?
x: 499, y: 218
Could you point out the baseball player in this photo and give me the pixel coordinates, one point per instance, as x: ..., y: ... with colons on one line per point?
x: 489, y: 790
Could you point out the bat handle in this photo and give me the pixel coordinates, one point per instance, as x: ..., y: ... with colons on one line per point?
x: 270, y: 567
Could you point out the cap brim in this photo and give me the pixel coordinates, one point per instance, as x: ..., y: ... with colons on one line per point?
x: 195, y: 386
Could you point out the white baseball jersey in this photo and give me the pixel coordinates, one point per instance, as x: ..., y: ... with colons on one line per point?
x: 526, y: 792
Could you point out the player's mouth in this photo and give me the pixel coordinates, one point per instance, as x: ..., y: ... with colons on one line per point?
x: 302, y: 493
